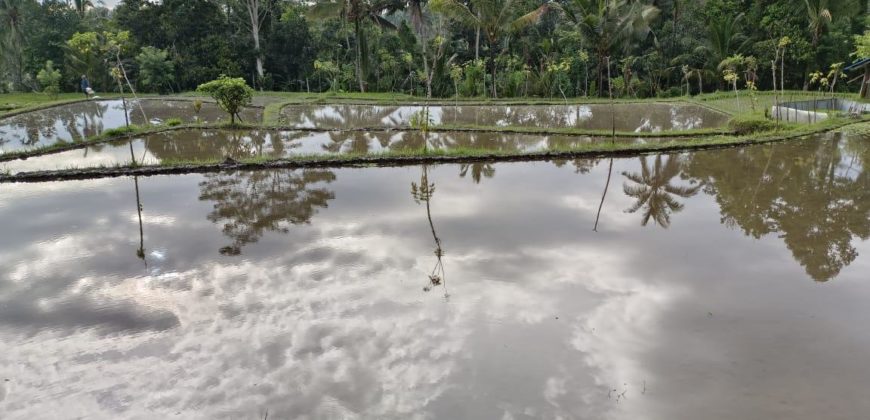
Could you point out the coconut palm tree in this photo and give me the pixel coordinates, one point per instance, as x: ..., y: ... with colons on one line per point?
x: 608, y: 25
x: 497, y: 19
x: 819, y: 16
x: 654, y: 192
x: 12, y: 37
x: 357, y: 12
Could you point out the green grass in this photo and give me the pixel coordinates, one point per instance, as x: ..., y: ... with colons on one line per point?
x: 13, y: 103
x: 859, y: 129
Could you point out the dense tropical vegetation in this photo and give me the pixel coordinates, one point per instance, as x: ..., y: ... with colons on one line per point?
x: 503, y: 48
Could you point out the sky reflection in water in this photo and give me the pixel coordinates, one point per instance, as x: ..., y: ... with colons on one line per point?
x: 77, y: 121
x: 302, y: 292
x: 189, y: 145
x: 640, y: 117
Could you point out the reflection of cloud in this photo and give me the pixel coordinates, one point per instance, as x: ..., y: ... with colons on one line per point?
x: 327, y: 320
x: 285, y: 333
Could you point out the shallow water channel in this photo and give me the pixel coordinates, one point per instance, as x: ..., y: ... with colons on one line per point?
x: 717, y: 285
x: 74, y: 122
x: 646, y: 117
x: 188, y: 145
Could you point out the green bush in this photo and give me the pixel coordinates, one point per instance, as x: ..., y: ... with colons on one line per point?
x: 49, y: 78
x: 230, y: 93
x: 172, y: 122
x: 749, y: 125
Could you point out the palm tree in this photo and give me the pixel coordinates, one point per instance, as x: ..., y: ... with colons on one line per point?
x: 608, y: 25
x: 654, y: 192
x: 357, y: 12
x: 724, y: 40
x: 495, y: 18
x: 819, y: 15
x: 12, y: 36
x: 479, y: 170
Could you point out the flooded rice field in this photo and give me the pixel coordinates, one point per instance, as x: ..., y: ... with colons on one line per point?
x: 187, y: 145
x: 725, y: 284
x: 77, y: 121
x: 647, y: 117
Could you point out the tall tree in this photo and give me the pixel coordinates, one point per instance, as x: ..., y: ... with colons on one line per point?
x: 357, y: 12
x: 12, y: 37
x: 610, y: 25
x: 497, y: 20
x: 256, y: 13
x: 819, y: 16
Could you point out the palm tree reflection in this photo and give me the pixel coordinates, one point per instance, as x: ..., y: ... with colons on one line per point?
x: 479, y: 170
x: 654, y: 192
x: 423, y: 192
x: 141, y: 251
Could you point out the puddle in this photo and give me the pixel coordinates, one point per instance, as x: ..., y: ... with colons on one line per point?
x: 77, y: 121
x: 185, y: 145
x: 730, y: 283
x: 647, y: 117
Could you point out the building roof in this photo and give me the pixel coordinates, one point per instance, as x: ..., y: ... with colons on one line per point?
x: 858, y: 64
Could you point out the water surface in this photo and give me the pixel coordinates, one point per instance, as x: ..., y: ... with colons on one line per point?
x: 646, y: 117
x: 716, y: 285
x: 185, y: 145
x: 75, y: 122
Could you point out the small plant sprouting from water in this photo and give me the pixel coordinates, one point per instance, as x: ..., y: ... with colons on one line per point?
x: 173, y: 122
x: 197, y: 106
x: 834, y: 75
x: 753, y: 97
x: 422, y: 120
x: 731, y: 77
x: 817, y: 78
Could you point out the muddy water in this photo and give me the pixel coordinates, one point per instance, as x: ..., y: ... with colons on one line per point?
x: 716, y: 285
x: 648, y: 117
x: 75, y: 122
x: 216, y: 144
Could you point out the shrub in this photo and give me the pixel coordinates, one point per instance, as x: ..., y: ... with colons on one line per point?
x: 230, y: 93
x: 172, y: 122
x: 749, y: 125
x: 49, y: 78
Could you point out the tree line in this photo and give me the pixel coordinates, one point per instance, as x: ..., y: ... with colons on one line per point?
x: 440, y: 48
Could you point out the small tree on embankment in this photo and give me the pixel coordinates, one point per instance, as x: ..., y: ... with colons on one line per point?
x: 231, y: 94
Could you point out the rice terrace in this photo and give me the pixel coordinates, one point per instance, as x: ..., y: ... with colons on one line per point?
x: 434, y: 209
